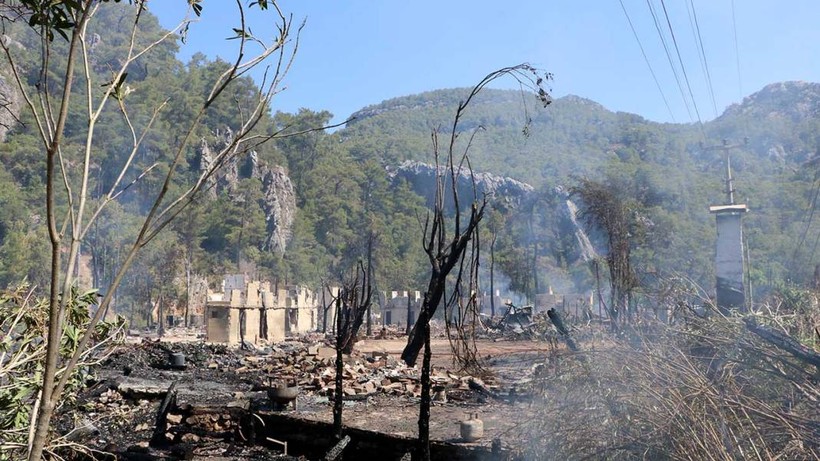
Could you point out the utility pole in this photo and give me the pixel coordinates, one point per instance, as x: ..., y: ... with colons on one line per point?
x: 729, y: 250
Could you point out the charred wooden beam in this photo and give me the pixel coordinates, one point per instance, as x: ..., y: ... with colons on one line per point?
x: 784, y: 342
x: 337, y: 449
x: 351, y: 398
x: 482, y: 389
x: 313, y: 438
x: 555, y: 318
x: 168, y: 402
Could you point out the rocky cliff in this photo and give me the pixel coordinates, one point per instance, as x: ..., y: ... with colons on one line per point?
x: 9, y: 107
x: 11, y: 101
x: 277, y: 201
x: 279, y: 205
x: 497, y: 189
x: 794, y: 101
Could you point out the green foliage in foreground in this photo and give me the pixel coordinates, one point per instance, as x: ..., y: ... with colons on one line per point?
x: 23, y: 323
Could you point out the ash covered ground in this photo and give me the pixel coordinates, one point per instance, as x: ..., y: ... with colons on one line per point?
x: 219, y: 387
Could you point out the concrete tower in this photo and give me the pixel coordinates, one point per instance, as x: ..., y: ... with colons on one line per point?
x: 729, y: 261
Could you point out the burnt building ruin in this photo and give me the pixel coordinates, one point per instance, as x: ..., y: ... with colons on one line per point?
x: 254, y: 312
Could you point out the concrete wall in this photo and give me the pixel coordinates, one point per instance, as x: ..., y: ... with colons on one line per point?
x: 217, y: 322
x: 306, y: 319
x: 252, y: 317
x: 276, y: 324
x: 571, y: 303
x: 224, y: 324
x: 395, y: 307
x: 729, y: 260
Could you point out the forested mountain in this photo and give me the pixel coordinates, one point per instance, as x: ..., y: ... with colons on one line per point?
x: 306, y: 208
x: 674, y: 171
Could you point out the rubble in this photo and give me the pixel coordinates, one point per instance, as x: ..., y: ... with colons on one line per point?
x: 222, y: 391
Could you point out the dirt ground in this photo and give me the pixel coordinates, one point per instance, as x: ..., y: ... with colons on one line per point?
x: 509, y: 363
x: 442, y: 353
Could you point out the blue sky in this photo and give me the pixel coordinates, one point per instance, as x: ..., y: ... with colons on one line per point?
x: 358, y: 52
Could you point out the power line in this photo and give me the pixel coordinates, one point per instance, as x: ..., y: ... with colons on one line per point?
x: 701, y: 52
x: 815, y: 193
x: 737, y: 52
x: 648, y: 64
x: 744, y: 120
x: 669, y: 58
x: 683, y: 68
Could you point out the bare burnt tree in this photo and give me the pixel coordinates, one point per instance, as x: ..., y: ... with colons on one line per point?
x: 352, y: 304
x: 325, y: 306
x: 605, y: 208
x: 446, y: 240
x: 356, y: 297
x: 462, y: 309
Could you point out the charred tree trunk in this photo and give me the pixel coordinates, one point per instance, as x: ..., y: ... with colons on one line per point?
x: 784, y: 342
x: 188, y: 288
x: 492, y: 276
x: 408, y: 327
x: 158, y: 437
x: 443, y: 248
x: 613, y: 314
x: 555, y: 318
x: 160, y: 314
x: 338, y: 392
x: 432, y: 299
x: 369, y: 279
x: 324, y: 320
x: 424, y: 406
x: 356, y: 297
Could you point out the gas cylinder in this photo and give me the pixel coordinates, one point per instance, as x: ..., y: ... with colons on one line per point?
x: 472, y: 428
